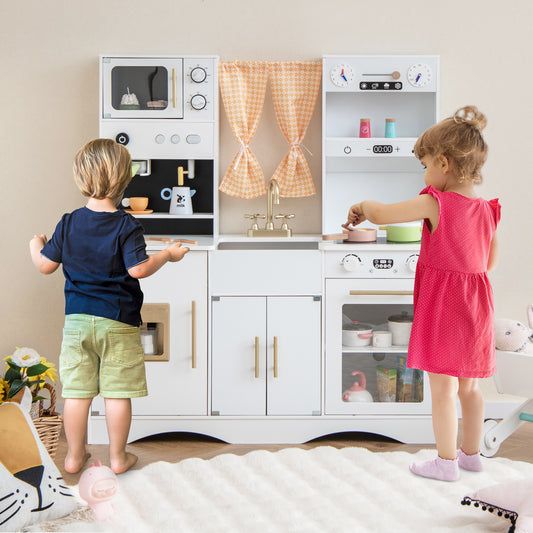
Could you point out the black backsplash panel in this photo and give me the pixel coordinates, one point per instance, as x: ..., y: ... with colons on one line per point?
x: 176, y: 226
x: 164, y: 174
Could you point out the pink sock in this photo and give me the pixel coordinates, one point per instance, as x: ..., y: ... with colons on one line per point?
x: 469, y: 462
x: 438, y: 468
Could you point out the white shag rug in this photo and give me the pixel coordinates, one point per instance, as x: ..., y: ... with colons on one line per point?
x: 321, y: 490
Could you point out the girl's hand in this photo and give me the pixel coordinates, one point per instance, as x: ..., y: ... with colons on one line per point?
x: 355, y: 215
x: 176, y: 252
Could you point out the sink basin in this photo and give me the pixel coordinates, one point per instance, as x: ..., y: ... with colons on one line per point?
x: 268, y: 245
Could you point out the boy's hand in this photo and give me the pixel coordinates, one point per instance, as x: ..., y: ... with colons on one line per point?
x: 176, y: 252
x: 39, y: 240
x: 355, y: 216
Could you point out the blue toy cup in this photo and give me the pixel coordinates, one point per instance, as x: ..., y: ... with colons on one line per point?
x: 390, y: 128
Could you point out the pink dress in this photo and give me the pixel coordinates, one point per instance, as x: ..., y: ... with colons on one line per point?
x: 453, y: 326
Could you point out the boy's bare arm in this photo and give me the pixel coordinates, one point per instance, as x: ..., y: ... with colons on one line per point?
x: 155, y: 261
x: 43, y: 264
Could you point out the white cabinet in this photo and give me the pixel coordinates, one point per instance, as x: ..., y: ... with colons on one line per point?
x: 266, y: 355
x: 179, y: 386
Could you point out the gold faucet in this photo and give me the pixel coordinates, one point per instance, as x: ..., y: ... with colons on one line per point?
x: 269, y: 230
x: 273, y: 198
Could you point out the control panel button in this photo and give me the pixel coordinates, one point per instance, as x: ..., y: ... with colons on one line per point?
x: 175, y: 139
x: 193, y: 138
x: 160, y: 138
x: 122, y: 138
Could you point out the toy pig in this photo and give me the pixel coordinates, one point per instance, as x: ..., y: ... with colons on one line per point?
x: 97, y: 486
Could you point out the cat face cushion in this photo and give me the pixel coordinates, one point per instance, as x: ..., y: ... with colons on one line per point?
x: 31, y: 487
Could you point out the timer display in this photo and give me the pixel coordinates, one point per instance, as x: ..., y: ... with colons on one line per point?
x: 382, y: 149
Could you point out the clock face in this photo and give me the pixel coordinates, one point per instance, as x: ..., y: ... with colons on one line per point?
x: 419, y: 75
x: 342, y: 75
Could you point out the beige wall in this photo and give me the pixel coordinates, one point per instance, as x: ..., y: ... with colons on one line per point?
x: 49, y: 108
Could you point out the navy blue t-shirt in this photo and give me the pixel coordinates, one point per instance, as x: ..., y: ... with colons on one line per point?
x: 96, y: 249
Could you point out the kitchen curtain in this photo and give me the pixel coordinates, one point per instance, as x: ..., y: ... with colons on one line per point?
x: 295, y: 86
x: 243, y: 87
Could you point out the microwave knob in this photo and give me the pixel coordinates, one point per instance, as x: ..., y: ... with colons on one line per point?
x: 198, y: 74
x: 122, y: 138
x: 351, y: 262
x: 198, y: 102
x: 412, y: 261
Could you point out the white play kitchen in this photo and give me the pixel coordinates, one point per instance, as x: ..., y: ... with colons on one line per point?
x: 277, y: 339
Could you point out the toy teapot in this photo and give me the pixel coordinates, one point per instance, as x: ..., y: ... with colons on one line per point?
x: 357, y: 392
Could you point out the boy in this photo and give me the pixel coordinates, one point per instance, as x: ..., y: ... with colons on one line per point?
x: 104, y: 255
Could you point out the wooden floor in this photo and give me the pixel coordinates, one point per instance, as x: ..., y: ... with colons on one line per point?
x: 174, y: 447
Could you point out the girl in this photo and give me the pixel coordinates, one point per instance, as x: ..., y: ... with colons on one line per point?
x: 452, y: 337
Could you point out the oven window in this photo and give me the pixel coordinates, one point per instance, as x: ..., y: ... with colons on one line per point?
x: 375, y: 339
x: 142, y: 88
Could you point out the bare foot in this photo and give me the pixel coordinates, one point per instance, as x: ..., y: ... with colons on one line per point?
x: 120, y: 466
x: 74, y: 464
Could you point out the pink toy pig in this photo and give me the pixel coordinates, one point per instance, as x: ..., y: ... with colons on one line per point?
x: 97, y: 486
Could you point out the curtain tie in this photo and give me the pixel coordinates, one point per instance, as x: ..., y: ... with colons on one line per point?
x: 242, y: 152
x: 298, y: 145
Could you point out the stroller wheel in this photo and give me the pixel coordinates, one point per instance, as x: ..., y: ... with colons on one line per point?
x: 490, y: 443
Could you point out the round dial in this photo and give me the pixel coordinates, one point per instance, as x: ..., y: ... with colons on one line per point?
x: 198, y: 102
x: 198, y: 74
x: 419, y: 75
x: 342, y: 75
x: 350, y: 262
x: 412, y: 261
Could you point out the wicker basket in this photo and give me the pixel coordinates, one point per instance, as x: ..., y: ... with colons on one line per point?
x: 49, y: 423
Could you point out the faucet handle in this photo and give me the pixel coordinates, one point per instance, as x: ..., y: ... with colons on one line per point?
x: 285, y: 218
x: 254, y: 219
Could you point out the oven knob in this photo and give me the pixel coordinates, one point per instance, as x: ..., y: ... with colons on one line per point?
x: 412, y: 260
x: 350, y: 262
x: 198, y: 74
x: 198, y: 101
x: 122, y: 138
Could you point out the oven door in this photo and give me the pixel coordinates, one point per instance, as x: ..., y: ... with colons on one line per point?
x: 391, y: 388
x: 142, y: 87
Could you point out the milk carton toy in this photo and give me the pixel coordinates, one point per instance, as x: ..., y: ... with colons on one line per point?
x: 98, y: 485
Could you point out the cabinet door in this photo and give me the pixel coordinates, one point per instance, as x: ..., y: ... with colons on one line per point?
x: 179, y: 386
x: 238, y: 356
x: 293, y: 356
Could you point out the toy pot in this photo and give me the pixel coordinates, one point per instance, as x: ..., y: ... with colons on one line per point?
x: 356, y: 334
x: 357, y: 392
x: 405, y: 232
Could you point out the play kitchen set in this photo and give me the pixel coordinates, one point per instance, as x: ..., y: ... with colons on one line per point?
x: 288, y: 338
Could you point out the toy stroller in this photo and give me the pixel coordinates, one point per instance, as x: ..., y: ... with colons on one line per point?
x: 514, y: 376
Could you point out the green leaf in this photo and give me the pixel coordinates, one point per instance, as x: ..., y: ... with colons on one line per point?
x: 12, y: 375
x: 38, y: 398
x: 16, y: 386
x: 12, y: 365
x: 37, y: 369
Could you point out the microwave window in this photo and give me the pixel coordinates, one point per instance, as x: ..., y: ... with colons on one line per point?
x: 142, y: 88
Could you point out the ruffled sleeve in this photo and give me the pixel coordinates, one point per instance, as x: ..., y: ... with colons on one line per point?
x: 496, y: 209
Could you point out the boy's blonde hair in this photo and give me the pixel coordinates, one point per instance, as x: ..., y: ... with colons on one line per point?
x: 102, y: 169
x: 460, y: 140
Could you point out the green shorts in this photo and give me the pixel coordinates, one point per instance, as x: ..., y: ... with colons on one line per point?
x: 101, y: 356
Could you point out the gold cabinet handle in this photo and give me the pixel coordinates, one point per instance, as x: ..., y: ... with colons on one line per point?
x: 193, y: 333
x: 275, y: 357
x: 257, y: 357
x: 173, y: 87
x: 381, y: 293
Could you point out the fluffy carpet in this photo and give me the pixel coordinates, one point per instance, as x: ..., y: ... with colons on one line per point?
x: 293, y: 490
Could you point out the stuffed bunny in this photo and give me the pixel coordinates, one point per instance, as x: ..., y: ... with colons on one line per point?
x: 513, y: 336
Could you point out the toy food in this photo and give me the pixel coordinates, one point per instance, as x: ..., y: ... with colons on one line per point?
x: 98, y: 485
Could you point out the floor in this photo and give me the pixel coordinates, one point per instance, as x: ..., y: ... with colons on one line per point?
x: 174, y: 447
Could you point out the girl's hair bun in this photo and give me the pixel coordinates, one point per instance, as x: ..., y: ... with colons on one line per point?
x: 471, y: 115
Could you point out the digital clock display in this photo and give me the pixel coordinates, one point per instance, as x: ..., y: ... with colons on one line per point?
x: 382, y: 149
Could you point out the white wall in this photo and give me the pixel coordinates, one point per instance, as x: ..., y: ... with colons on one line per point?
x: 49, y: 108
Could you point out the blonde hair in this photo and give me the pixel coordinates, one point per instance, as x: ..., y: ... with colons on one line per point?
x: 102, y: 169
x: 460, y: 140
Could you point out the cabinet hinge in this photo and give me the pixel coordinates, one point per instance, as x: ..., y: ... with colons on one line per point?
x: 317, y: 298
x: 316, y: 413
x: 215, y: 413
x: 215, y: 298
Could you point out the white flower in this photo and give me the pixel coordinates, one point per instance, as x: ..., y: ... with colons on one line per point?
x: 25, y: 357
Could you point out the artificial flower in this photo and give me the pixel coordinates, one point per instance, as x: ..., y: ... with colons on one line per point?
x: 25, y: 357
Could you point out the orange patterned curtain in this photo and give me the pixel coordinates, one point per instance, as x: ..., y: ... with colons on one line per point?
x: 295, y: 86
x: 243, y: 87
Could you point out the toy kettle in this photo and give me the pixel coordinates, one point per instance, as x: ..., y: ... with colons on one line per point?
x: 357, y: 392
